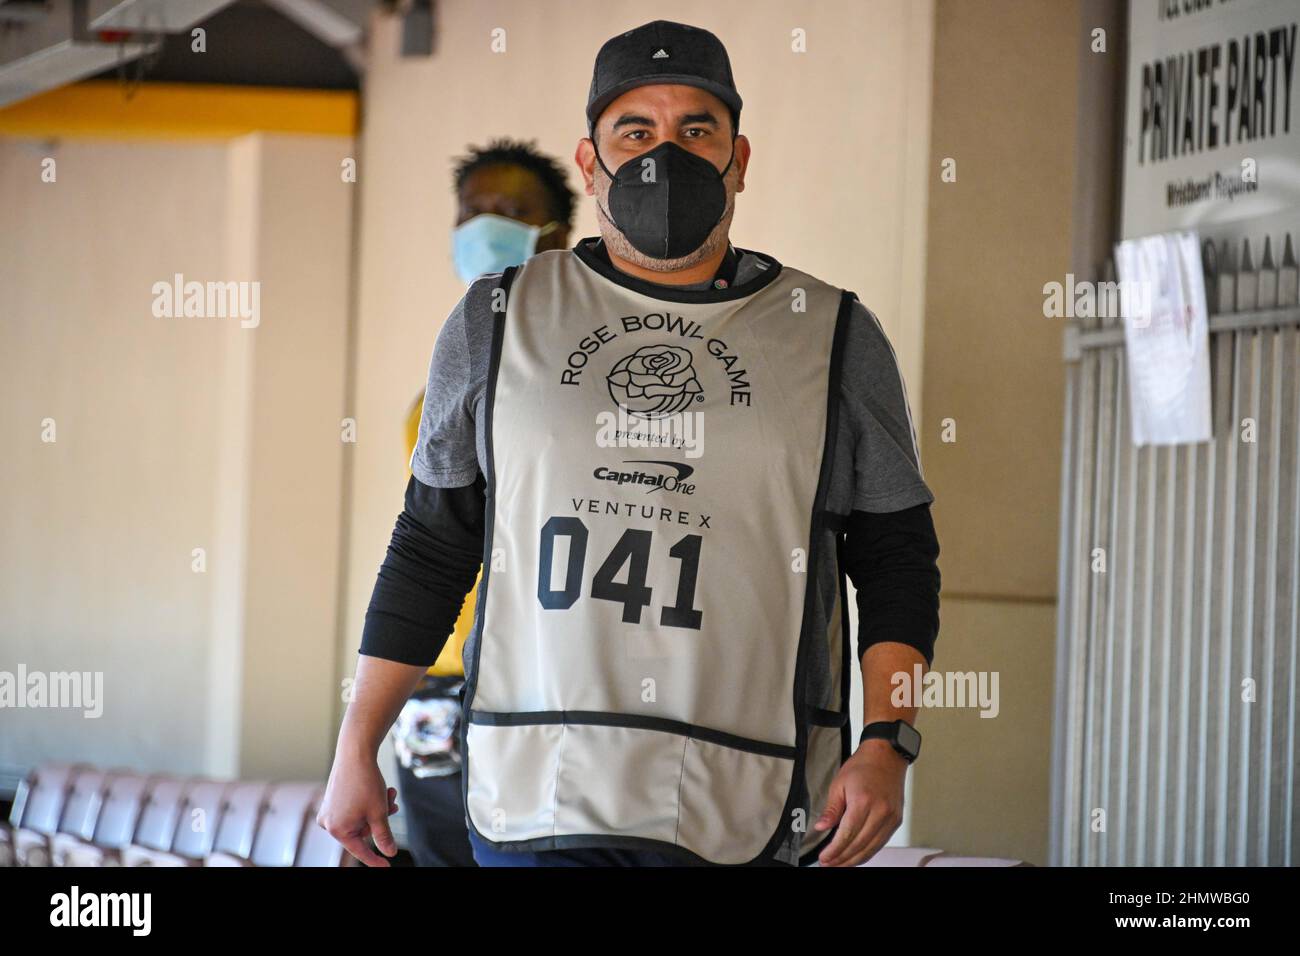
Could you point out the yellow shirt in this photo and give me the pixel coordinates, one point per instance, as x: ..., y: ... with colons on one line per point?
x: 449, y: 662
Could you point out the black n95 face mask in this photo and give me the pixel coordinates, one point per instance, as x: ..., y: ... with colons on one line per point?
x: 667, y: 200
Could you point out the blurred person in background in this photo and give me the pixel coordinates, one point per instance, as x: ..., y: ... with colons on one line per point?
x: 512, y: 201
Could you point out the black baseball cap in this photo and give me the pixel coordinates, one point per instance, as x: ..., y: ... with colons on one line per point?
x: 661, y: 52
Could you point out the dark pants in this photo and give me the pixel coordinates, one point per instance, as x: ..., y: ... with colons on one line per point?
x: 486, y: 855
x: 435, y: 819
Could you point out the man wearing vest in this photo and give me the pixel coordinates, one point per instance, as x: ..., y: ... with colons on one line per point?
x: 667, y: 453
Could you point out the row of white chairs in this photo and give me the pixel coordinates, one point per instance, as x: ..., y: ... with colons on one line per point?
x: 77, y: 815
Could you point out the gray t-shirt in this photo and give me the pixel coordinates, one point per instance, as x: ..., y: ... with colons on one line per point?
x: 875, y: 464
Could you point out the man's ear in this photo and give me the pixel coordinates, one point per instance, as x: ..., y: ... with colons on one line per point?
x: 742, y: 160
x: 585, y: 157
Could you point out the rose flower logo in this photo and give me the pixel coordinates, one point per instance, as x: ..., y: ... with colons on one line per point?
x: 654, y: 381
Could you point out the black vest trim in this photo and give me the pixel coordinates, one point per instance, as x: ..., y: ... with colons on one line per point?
x: 827, y: 718
x: 489, y: 521
x: 798, y: 787
x: 846, y: 679
x: 597, y: 264
x: 638, y: 721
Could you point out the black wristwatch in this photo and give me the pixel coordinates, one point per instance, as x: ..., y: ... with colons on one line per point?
x: 902, y: 735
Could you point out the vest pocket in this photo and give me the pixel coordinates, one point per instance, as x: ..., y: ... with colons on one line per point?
x: 511, y: 779
x: 571, y: 780
x: 731, y: 800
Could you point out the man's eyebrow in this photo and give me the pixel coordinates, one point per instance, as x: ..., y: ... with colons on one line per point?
x: 704, y: 117
x: 635, y: 119
x: 632, y: 119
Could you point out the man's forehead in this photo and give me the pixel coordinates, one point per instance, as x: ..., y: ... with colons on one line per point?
x: 507, y: 178
x: 669, y: 101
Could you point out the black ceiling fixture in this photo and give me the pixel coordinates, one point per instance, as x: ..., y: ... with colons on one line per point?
x: 250, y: 44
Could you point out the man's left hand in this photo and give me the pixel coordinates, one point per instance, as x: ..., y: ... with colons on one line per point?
x: 866, y: 799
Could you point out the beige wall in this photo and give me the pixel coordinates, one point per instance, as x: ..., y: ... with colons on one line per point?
x: 981, y: 787
x: 174, y: 434
x: 1004, y: 99
x: 95, y: 561
x: 1004, y: 110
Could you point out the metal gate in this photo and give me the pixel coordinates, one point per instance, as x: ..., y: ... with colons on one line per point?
x: 1175, y: 740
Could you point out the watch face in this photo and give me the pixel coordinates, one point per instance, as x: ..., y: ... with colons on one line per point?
x: 909, y: 739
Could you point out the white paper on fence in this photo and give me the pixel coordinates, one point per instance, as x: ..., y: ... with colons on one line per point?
x: 1166, y: 338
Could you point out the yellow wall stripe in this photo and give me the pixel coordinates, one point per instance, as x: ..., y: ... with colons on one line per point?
x: 100, y: 110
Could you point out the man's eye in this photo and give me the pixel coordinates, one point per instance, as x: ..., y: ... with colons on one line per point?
x: 697, y: 129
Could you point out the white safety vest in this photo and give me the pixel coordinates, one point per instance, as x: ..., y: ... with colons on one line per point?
x: 657, y: 471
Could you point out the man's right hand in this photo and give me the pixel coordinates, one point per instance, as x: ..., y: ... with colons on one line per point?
x: 356, y: 807
x: 355, y: 810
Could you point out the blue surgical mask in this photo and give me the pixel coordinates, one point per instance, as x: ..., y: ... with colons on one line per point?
x: 490, y: 243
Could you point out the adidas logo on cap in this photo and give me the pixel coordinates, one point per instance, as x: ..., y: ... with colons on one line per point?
x: 660, y: 54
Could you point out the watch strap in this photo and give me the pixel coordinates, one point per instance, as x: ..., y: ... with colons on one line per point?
x: 888, y: 730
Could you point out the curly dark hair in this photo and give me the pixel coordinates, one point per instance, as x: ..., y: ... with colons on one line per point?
x: 510, y: 152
